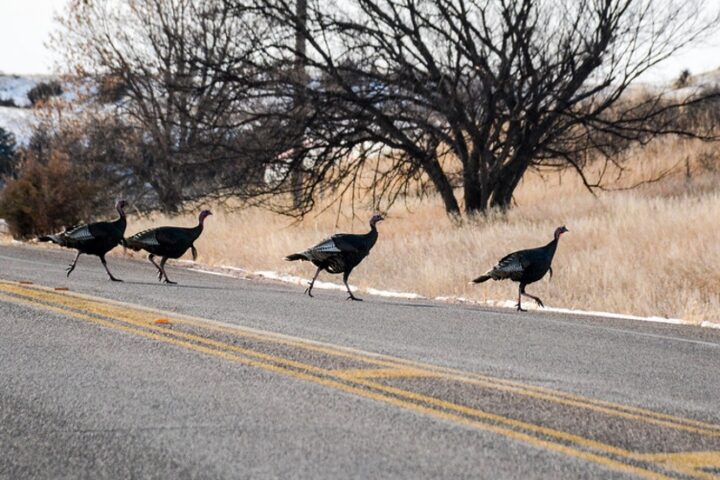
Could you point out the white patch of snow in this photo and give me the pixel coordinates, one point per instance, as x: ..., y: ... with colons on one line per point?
x: 234, y: 269
x: 710, y: 324
x: 19, y: 121
x: 287, y: 278
x: 16, y: 87
x: 511, y: 304
x: 393, y: 294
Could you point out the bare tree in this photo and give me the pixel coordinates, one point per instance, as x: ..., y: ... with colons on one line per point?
x: 467, y: 95
x: 180, y: 113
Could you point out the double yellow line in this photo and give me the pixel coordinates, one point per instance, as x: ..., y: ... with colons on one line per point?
x: 196, y: 334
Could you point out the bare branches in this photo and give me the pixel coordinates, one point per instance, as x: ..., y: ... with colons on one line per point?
x: 502, y: 86
x: 309, y: 99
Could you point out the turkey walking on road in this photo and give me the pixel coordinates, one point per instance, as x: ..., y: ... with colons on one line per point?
x: 526, y: 267
x: 93, y: 239
x: 340, y: 254
x: 167, y: 242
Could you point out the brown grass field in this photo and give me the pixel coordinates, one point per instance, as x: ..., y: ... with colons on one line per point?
x: 651, y: 251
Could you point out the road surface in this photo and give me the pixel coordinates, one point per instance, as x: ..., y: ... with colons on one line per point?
x: 229, y: 378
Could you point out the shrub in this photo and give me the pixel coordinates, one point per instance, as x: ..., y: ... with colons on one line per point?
x: 7, y: 152
x: 7, y: 102
x: 683, y: 79
x: 44, y: 90
x: 47, y: 197
x: 111, y: 89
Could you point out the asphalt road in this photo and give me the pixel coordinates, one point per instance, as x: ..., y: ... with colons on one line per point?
x: 230, y: 378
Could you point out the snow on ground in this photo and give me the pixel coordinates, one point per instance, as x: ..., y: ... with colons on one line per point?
x: 244, y: 274
x: 18, y: 121
x: 16, y: 87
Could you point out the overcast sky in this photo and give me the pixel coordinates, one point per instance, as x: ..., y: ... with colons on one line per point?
x: 26, y: 24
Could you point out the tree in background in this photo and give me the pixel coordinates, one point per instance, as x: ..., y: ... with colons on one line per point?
x: 282, y: 103
x: 152, y: 55
x: 470, y: 95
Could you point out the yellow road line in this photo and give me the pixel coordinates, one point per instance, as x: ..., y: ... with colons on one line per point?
x: 607, y: 408
x: 695, y: 464
x: 541, y: 393
x: 400, y: 402
x: 393, y: 372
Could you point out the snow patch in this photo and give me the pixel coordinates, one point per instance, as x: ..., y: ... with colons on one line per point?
x: 18, y: 121
x: 287, y: 278
x: 16, y: 87
x: 393, y: 294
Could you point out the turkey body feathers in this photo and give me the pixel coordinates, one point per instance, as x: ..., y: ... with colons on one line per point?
x: 167, y: 242
x: 92, y: 239
x: 171, y: 242
x: 526, y: 266
x: 339, y: 253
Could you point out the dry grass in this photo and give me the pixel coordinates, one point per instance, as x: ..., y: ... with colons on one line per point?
x: 653, y: 250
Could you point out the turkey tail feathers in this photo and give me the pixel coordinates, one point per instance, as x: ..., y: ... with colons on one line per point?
x: 51, y: 238
x: 131, y: 244
x: 295, y: 256
x: 482, y: 278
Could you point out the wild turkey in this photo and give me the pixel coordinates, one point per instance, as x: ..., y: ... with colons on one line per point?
x: 340, y: 254
x: 167, y: 242
x: 92, y: 239
x: 526, y: 267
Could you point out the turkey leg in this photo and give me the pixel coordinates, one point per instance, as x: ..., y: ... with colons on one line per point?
x: 102, y: 259
x: 160, y: 272
x: 537, y: 299
x: 162, y: 267
x: 71, y: 267
x: 312, y: 282
x: 351, y: 297
x: 519, y: 304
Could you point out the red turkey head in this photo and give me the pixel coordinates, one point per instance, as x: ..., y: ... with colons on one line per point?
x: 204, y: 214
x: 559, y: 231
x: 376, y: 218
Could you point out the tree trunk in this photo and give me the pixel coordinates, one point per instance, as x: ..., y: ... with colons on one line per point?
x: 508, y: 180
x: 442, y: 185
x: 473, y: 194
x: 299, y: 100
x: 474, y: 191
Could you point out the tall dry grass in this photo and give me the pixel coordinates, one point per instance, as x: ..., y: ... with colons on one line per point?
x: 653, y: 250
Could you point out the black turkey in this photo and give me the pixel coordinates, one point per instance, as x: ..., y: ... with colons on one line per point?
x: 167, y: 242
x: 93, y: 239
x: 526, y: 267
x: 340, y: 254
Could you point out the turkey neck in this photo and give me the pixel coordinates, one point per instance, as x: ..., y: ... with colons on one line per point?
x: 122, y: 221
x: 372, y: 236
x: 197, y: 230
x: 551, y: 247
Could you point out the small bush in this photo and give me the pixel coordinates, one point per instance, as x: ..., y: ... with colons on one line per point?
x: 44, y: 90
x: 683, y: 79
x: 7, y: 152
x: 7, y: 102
x: 46, y: 197
x: 111, y: 89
